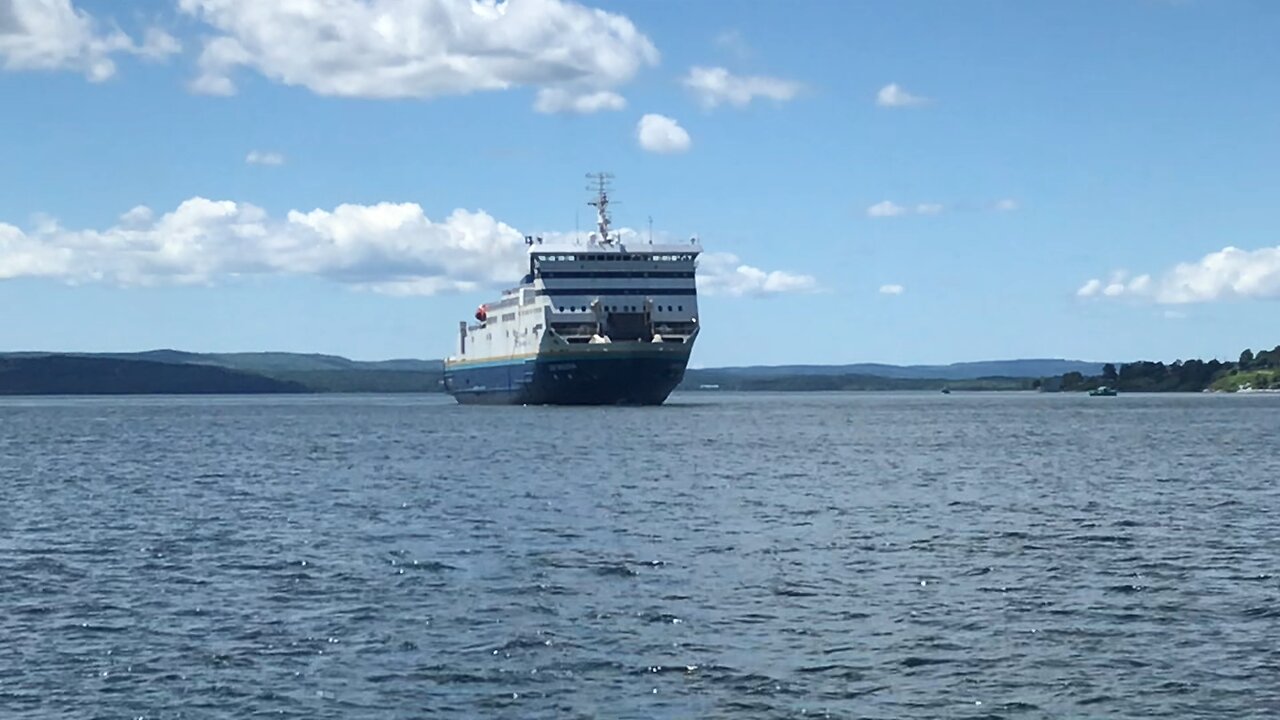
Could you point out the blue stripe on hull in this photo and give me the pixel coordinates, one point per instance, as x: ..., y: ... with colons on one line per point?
x: 622, y: 379
x: 500, y: 383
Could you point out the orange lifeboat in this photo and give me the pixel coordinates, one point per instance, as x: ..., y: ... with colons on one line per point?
x: 481, y: 314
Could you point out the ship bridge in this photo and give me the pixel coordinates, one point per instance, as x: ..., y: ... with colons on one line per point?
x: 617, y: 291
x: 602, y: 287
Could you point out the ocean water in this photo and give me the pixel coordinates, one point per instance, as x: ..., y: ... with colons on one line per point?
x: 724, y: 556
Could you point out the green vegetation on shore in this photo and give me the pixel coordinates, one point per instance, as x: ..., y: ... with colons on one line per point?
x: 1248, y: 380
x: 1250, y: 372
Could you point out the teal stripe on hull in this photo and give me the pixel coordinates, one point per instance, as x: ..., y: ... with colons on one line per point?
x: 567, y: 357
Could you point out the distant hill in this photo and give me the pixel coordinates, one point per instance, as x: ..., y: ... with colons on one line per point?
x: 834, y: 382
x: 80, y: 375
x: 168, y: 370
x: 298, y: 371
x: 273, y: 362
x: 362, y: 380
x: 1029, y: 368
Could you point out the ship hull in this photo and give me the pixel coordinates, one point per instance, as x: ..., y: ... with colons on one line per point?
x: 598, y: 376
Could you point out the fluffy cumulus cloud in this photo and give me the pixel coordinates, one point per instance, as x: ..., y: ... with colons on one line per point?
x: 1225, y: 274
x: 390, y: 248
x: 717, y: 86
x: 386, y: 247
x: 573, y: 54
x: 56, y: 35
x: 725, y: 274
x: 661, y: 134
x: 260, y: 157
x: 892, y: 289
x: 894, y: 96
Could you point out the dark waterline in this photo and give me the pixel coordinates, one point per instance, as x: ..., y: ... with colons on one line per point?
x: 728, y: 556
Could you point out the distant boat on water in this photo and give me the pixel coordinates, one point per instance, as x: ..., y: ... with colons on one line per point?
x: 1103, y: 391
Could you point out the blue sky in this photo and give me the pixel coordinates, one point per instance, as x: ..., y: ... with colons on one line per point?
x: 908, y: 182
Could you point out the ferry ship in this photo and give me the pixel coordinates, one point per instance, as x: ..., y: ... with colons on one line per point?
x: 597, y: 321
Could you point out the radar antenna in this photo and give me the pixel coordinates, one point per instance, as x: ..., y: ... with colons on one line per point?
x: 600, y: 186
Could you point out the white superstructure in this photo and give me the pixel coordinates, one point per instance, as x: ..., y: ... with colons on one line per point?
x: 589, y: 299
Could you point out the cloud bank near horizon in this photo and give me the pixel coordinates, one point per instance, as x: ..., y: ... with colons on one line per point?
x: 391, y: 248
x: 1229, y: 273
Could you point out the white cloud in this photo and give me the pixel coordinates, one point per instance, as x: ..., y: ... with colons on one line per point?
x: 894, y: 96
x: 661, y: 134
x: 258, y: 157
x: 716, y: 86
x: 886, y: 208
x: 724, y: 274
x: 554, y: 100
x: 1090, y: 288
x: 391, y: 248
x: 157, y: 45
x: 139, y: 215
x: 387, y: 247
x: 55, y: 35
x: 892, y: 289
x: 424, y: 48
x: 1225, y: 274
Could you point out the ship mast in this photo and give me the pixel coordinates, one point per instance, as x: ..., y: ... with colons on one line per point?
x: 600, y: 186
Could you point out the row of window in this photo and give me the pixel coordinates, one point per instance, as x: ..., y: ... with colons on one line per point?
x: 612, y: 257
x: 614, y: 274
x: 624, y: 308
x: 689, y: 290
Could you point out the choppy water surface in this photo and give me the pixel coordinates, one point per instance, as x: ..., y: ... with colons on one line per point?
x: 730, y: 556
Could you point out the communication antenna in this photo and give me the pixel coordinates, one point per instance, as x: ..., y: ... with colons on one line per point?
x: 600, y: 186
x: 650, y: 229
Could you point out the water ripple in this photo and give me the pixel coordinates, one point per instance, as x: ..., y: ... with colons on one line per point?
x: 845, y: 556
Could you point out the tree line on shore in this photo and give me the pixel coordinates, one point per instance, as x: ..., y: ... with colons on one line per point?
x: 1259, y: 371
